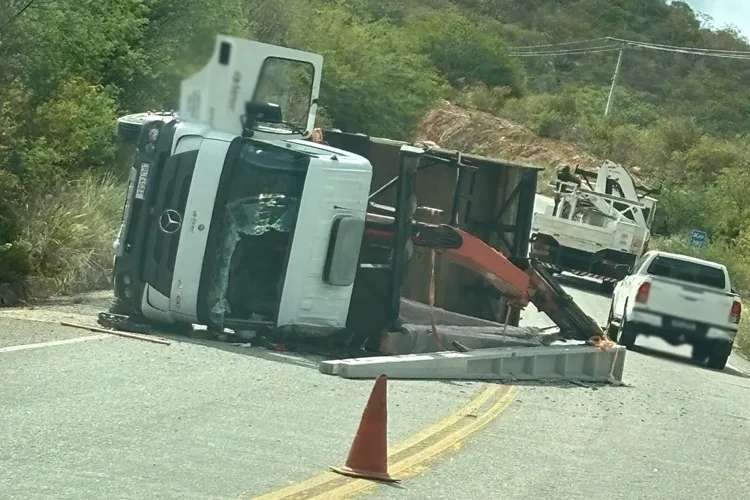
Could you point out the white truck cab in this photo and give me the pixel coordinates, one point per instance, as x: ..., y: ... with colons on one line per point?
x: 231, y: 218
x: 681, y: 299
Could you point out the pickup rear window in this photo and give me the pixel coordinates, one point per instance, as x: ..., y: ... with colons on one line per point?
x: 689, y: 272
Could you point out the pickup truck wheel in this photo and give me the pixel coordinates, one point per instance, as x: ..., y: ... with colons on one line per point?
x: 627, y: 334
x: 699, y: 353
x: 612, y: 330
x: 718, y: 356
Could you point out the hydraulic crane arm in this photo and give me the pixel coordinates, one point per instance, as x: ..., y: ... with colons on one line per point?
x: 521, y: 282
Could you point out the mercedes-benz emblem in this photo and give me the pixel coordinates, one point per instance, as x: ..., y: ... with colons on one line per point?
x: 170, y: 221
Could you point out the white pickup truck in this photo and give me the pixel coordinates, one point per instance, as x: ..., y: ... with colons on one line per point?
x: 681, y: 299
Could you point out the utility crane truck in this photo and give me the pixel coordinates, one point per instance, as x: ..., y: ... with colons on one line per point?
x: 597, y: 230
x: 234, y: 220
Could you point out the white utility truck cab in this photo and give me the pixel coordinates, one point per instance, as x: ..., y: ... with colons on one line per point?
x: 232, y: 219
x: 681, y: 299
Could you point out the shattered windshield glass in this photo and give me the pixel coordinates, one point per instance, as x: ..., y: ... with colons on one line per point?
x: 258, y: 216
x: 288, y: 84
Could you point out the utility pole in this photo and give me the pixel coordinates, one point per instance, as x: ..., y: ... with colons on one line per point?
x: 614, y: 82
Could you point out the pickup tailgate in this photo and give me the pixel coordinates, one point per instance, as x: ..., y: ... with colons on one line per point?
x: 689, y: 302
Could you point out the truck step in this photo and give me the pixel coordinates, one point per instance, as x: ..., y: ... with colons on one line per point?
x: 578, y: 363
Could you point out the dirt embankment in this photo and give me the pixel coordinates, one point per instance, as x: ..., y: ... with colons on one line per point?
x: 481, y: 133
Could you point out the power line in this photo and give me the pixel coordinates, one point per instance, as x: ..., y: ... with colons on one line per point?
x: 569, y: 52
x: 697, y: 49
x: 561, y: 44
x: 553, y: 50
x: 609, y: 48
x: 691, y: 52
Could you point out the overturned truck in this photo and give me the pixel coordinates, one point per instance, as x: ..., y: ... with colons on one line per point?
x: 235, y: 220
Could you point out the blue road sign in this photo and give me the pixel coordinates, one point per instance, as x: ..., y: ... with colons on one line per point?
x: 698, y: 238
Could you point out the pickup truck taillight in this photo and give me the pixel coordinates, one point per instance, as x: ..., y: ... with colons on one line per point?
x: 642, y: 296
x: 734, y: 316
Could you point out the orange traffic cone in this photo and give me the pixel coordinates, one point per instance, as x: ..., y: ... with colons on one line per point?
x: 368, y: 456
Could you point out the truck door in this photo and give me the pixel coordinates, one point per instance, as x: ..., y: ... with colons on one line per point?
x: 243, y: 71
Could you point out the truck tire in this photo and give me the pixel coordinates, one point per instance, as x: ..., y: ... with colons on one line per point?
x: 607, y: 287
x: 122, y: 308
x: 119, y: 306
x: 699, y: 353
x: 129, y: 126
x: 612, y: 330
x: 718, y: 356
x: 627, y: 334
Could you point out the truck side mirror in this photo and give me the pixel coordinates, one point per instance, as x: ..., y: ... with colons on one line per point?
x: 266, y: 112
x: 342, y: 260
x: 621, y: 271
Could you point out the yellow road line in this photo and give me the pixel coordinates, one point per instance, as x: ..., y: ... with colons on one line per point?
x: 402, y: 467
x: 470, y: 409
x: 326, y: 477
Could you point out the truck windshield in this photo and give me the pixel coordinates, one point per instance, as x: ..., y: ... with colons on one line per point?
x: 251, y: 231
x: 689, y: 272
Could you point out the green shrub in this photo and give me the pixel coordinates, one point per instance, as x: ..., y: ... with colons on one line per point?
x: 466, y: 54
x: 481, y: 97
x: 375, y: 81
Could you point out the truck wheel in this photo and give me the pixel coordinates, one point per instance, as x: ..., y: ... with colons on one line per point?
x: 607, y: 287
x: 612, y: 330
x: 627, y: 334
x: 699, y: 353
x: 129, y: 127
x: 718, y: 356
x: 120, y: 306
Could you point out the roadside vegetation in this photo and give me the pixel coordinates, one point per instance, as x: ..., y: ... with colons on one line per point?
x: 69, y: 68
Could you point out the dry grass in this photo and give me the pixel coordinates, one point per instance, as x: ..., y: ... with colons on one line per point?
x: 743, y: 339
x: 69, y: 233
x: 477, y: 132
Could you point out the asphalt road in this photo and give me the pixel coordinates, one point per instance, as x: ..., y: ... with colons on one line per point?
x: 117, y: 418
x: 112, y: 418
x: 677, y: 431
